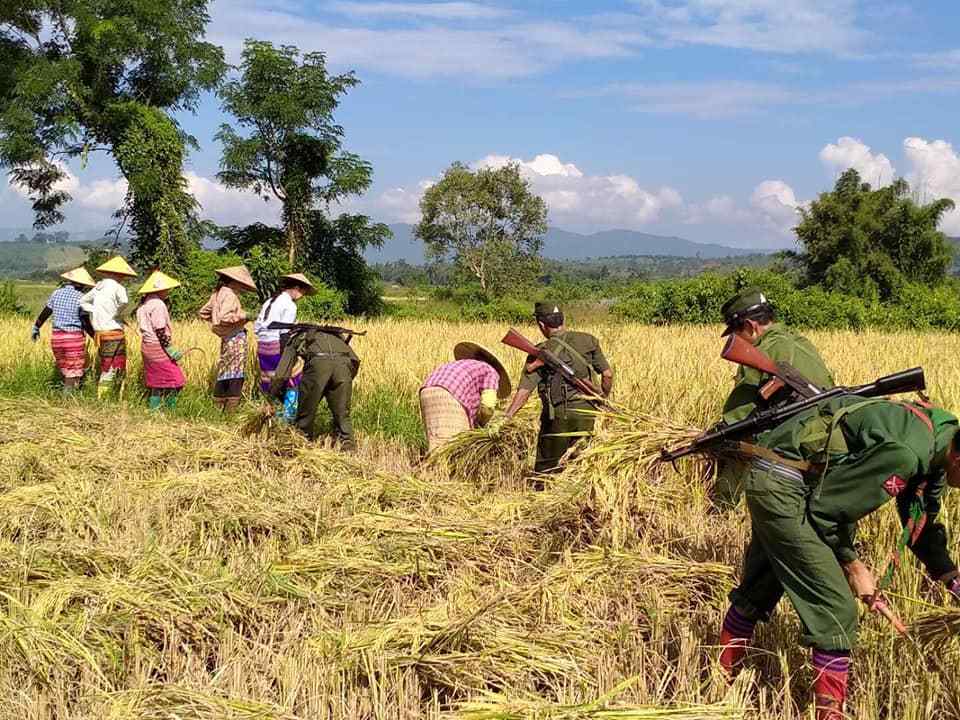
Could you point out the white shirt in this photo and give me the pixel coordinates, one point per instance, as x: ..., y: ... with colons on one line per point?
x: 282, y: 309
x: 105, y: 303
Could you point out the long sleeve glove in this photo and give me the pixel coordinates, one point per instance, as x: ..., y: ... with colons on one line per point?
x: 173, y: 353
x: 35, y: 333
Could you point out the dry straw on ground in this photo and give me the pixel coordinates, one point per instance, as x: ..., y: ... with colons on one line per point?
x: 154, y: 568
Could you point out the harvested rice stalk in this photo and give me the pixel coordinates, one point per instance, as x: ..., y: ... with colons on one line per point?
x: 259, y: 420
x: 489, y: 455
x: 499, y: 707
x: 165, y: 701
x: 938, y: 626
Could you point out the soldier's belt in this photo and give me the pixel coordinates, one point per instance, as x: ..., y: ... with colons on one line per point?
x: 778, y: 469
x: 756, y: 452
x: 329, y: 355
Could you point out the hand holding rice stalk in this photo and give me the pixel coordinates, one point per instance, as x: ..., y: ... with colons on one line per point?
x: 259, y: 420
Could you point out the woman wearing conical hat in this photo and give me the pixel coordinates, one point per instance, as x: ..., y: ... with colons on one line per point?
x: 162, y: 374
x: 228, y: 320
x: 105, y: 304
x: 462, y: 394
x: 67, y: 341
x: 282, y: 307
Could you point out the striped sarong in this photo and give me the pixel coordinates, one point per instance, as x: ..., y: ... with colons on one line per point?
x: 268, y: 356
x: 159, y: 371
x: 443, y: 416
x: 233, y: 357
x: 69, y: 352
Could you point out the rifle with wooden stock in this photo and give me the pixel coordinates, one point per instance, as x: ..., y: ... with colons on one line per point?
x: 346, y: 334
x: 743, y: 353
x: 517, y: 341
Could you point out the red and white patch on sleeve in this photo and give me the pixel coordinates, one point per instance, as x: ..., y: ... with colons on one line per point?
x: 894, y: 485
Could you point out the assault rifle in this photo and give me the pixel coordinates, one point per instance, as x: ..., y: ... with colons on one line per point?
x: 515, y: 340
x: 739, y: 351
x: 902, y: 382
x: 346, y: 334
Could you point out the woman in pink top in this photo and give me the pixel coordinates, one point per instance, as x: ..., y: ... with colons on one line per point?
x: 462, y: 395
x: 228, y: 321
x: 162, y: 375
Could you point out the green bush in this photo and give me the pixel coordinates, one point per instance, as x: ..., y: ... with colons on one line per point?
x: 9, y: 303
x: 698, y: 300
x: 327, y: 304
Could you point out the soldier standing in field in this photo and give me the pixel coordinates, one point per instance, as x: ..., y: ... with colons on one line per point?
x: 750, y: 315
x: 562, y: 404
x: 329, y: 367
x: 828, y: 467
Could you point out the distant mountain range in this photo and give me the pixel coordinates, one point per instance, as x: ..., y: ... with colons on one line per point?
x: 565, y: 245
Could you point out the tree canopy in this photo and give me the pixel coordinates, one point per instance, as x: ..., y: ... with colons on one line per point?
x: 870, y: 242
x: 489, y: 221
x: 81, y: 76
x: 293, y: 152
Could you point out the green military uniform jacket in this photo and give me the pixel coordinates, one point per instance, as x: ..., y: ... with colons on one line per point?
x: 306, y: 345
x: 782, y: 346
x: 579, y: 350
x: 560, y: 423
x: 874, y: 451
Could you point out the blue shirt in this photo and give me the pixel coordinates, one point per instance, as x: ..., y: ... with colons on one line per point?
x: 64, y: 302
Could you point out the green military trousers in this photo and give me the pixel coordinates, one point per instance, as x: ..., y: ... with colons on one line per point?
x: 552, y: 442
x: 787, y: 555
x: 326, y: 378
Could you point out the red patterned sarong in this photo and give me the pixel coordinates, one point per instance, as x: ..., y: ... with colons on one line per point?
x: 159, y: 371
x: 69, y: 352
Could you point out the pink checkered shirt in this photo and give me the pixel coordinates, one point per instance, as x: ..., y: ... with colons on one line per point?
x: 465, y: 380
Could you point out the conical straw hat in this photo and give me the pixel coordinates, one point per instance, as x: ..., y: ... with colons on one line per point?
x: 118, y: 266
x: 301, y: 279
x: 80, y: 276
x: 239, y: 274
x: 158, y: 281
x: 472, y: 351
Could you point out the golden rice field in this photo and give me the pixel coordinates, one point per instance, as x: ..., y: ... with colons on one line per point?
x: 158, y: 567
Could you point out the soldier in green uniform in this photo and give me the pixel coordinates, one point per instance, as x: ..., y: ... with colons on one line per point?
x: 750, y: 315
x: 329, y: 367
x: 560, y: 400
x: 831, y: 466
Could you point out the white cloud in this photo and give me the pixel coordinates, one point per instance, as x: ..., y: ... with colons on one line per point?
x: 718, y: 209
x: 401, y: 204
x: 944, y: 60
x: 934, y: 174
x: 432, y: 49
x: 709, y: 99
x: 432, y: 10
x: 227, y: 206
x: 574, y: 199
x: 779, y: 26
x: 776, y: 205
x: 849, y: 152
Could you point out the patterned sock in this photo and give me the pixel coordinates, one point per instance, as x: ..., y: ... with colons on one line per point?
x: 734, y: 639
x: 830, y: 685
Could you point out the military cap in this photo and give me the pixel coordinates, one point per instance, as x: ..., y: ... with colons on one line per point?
x: 545, y: 307
x: 742, y: 305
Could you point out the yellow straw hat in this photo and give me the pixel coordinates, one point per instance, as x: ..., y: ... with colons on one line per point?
x: 80, y: 276
x: 301, y: 279
x: 472, y: 351
x: 238, y: 273
x: 157, y: 282
x: 118, y: 266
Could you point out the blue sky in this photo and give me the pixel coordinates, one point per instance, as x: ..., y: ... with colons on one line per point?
x: 710, y: 119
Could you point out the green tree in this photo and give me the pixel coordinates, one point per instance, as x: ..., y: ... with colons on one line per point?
x: 488, y: 221
x: 871, y: 242
x: 293, y: 153
x: 81, y: 76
